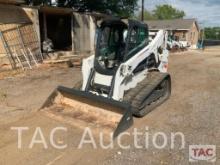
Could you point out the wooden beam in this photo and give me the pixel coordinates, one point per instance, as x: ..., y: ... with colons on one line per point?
x: 45, y: 25
x: 72, y: 32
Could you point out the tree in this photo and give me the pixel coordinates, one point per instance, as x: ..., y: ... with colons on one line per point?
x: 212, y: 33
x: 147, y: 16
x: 162, y: 12
x: 123, y: 8
x: 167, y: 12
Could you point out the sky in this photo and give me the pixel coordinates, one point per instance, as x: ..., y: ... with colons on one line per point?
x: 207, y: 12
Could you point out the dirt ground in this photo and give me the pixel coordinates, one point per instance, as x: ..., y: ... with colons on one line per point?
x: 193, y: 109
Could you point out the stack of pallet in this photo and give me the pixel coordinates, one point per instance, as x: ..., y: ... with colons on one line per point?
x: 70, y: 60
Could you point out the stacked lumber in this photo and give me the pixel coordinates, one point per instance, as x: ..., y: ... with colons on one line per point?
x: 70, y: 60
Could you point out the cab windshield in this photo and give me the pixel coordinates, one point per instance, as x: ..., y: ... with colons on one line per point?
x: 111, y: 45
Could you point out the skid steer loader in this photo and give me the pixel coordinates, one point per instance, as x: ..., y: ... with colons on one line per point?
x: 126, y: 77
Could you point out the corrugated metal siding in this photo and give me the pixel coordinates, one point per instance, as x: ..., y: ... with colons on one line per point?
x: 82, y: 33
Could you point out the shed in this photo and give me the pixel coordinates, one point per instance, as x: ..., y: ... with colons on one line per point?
x: 70, y: 32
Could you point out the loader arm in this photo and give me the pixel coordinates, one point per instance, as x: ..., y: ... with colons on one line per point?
x: 126, y: 69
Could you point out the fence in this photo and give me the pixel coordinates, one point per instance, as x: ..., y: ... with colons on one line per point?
x: 211, y: 42
x: 22, y: 46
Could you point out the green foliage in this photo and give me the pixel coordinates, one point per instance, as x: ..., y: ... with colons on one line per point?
x: 163, y: 12
x: 212, y: 33
x: 122, y: 8
x: 147, y: 16
x: 167, y: 12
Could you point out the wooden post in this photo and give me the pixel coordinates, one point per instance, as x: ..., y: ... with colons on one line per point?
x: 45, y: 25
x: 142, y: 11
x: 72, y: 32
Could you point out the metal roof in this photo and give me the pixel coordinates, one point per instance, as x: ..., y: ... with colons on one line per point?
x: 176, y: 24
x: 12, y: 1
x: 10, y: 14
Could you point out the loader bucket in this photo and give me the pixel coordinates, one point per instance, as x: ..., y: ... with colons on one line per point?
x: 87, y: 109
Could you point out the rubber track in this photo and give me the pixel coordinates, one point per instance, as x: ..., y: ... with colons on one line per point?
x: 136, y: 95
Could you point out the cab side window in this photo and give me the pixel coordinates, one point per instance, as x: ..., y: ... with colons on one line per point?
x: 132, y: 43
x: 137, y: 40
x: 142, y: 36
